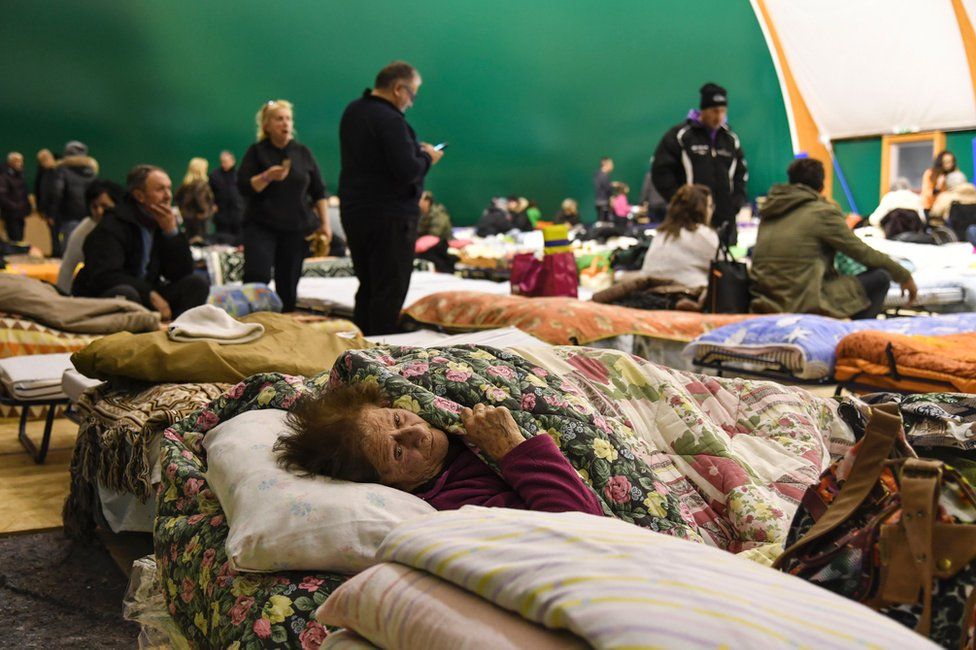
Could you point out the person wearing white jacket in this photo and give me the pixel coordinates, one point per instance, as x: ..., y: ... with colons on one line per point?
x: 684, y: 244
x: 902, y: 197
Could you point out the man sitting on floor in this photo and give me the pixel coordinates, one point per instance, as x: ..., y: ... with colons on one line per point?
x: 800, y: 233
x: 138, y: 252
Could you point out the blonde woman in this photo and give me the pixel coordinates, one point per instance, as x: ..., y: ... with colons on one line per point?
x: 285, y: 201
x: 195, y: 200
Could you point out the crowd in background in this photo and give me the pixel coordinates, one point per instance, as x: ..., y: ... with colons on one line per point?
x: 276, y: 200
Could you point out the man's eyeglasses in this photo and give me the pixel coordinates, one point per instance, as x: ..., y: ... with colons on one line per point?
x: 411, y: 94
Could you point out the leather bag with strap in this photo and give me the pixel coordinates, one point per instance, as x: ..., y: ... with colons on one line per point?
x: 893, y: 531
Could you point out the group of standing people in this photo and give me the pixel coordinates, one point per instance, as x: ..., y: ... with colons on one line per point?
x: 381, y: 181
x: 59, y: 188
x: 210, y: 204
x: 132, y: 246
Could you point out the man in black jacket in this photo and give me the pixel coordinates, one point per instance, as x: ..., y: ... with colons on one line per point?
x: 704, y: 150
x: 14, y: 203
x: 138, y: 252
x: 230, y: 204
x: 380, y: 183
x: 75, y: 173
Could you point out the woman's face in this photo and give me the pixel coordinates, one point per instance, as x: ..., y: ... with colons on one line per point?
x: 405, y: 451
x: 948, y: 162
x: 278, y: 124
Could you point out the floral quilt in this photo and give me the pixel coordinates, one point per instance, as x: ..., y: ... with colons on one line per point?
x: 712, y: 460
x: 214, y: 605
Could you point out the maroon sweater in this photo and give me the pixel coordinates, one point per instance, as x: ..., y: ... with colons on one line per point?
x: 535, y: 476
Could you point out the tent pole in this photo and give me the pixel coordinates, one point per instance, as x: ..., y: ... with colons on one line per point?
x: 843, y: 180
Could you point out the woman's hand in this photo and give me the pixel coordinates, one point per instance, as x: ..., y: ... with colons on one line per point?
x: 276, y: 172
x: 492, y: 429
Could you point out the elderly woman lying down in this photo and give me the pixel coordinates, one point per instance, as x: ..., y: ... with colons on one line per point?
x: 349, y: 433
x: 719, y: 461
x: 559, y: 429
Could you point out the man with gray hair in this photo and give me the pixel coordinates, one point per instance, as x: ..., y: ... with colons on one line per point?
x: 138, y: 252
x: 14, y: 202
x: 380, y: 184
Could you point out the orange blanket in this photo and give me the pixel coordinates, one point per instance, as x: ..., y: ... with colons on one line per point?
x: 923, y: 363
x: 560, y: 321
x: 46, y: 270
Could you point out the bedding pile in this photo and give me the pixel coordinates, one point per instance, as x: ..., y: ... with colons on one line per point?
x: 41, y: 302
x: 805, y: 344
x: 609, y: 584
x: 118, y: 442
x: 34, y: 377
x: 561, y: 321
x: 20, y: 336
x: 909, y: 363
x: 719, y: 461
x: 287, y: 345
x: 338, y: 294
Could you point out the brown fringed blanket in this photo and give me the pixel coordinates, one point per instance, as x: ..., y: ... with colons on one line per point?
x: 120, y: 426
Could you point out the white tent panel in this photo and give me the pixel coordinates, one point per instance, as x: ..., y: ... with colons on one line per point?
x: 877, y: 66
x: 970, y: 7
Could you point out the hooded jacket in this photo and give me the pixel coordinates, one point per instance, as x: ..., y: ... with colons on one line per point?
x: 74, y: 175
x: 691, y: 153
x: 793, y: 271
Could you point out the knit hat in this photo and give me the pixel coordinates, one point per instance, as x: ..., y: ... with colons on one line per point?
x: 75, y: 148
x: 713, y: 95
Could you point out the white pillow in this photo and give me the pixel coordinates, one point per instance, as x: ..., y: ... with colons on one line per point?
x: 281, y: 521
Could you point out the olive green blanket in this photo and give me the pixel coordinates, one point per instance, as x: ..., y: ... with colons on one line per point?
x: 288, y: 347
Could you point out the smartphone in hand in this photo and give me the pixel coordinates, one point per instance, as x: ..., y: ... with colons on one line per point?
x: 286, y: 163
x: 441, y: 147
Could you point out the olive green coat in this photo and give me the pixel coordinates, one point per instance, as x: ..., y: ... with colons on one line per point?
x: 437, y: 222
x: 800, y: 232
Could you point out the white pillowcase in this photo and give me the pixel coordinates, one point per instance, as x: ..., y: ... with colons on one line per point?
x: 281, y: 521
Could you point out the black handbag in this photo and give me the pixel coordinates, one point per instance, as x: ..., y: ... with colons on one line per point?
x: 728, y: 284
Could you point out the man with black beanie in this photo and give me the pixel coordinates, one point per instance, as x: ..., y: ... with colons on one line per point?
x: 380, y: 184
x: 704, y: 150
